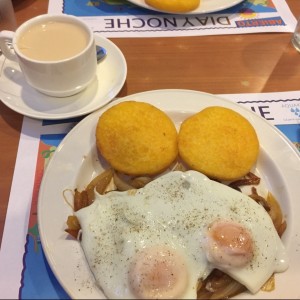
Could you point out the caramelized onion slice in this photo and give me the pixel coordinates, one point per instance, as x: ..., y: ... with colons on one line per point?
x: 139, y: 182
x: 100, y: 182
x: 179, y: 166
x: 73, y: 226
x: 269, y: 286
x: 121, y: 183
x: 219, y: 285
x: 276, y: 214
x: 272, y: 207
x: 249, y: 179
x: 259, y: 199
x: 80, y: 200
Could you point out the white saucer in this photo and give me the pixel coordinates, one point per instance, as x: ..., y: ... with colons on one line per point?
x: 20, y: 97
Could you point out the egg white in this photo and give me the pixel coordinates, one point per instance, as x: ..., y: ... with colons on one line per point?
x: 174, y: 210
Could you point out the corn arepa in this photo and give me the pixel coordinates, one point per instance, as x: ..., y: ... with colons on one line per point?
x: 174, y: 5
x: 137, y: 138
x: 218, y: 142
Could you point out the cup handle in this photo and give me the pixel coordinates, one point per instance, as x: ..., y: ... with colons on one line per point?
x: 6, y: 38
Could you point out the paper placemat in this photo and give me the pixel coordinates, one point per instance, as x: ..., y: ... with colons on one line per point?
x: 24, y: 271
x: 119, y: 18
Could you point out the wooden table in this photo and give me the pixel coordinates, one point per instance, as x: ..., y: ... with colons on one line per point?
x: 215, y: 64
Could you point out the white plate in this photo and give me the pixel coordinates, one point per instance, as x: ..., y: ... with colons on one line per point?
x: 76, y: 161
x: 20, y: 97
x: 206, y: 6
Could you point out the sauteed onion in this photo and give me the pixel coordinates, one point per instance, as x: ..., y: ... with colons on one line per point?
x: 217, y: 285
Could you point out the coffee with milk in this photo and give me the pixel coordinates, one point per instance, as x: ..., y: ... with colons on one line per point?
x: 52, y: 40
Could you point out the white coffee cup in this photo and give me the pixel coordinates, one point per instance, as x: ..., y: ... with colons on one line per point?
x: 67, y: 63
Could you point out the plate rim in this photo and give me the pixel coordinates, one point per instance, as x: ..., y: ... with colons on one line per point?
x: 194, y: 12
x: 82, y: 112
x: 92, y: 117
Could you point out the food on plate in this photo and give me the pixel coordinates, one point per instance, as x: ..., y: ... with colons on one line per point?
x: 179, y: 6
x: 218, y: 142
x: 155, y: 225
x: 165, y: 239
x: 136, y: 138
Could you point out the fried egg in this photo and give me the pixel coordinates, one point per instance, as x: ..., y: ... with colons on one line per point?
x: 158, y: 242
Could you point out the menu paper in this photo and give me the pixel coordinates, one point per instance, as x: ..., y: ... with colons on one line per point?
x: 120, y: 18
x: 24, y: 271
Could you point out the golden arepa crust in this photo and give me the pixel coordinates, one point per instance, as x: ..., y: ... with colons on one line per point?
x: 174, y: 5
x: 137, y: 138
x: 218, y: 142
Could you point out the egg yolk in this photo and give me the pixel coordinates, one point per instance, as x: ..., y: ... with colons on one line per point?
x: 158, y: 273
x: 229, y: 244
